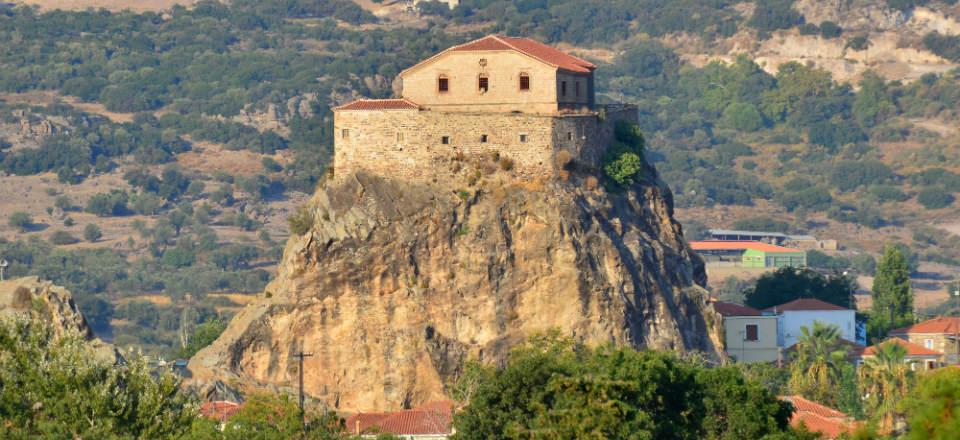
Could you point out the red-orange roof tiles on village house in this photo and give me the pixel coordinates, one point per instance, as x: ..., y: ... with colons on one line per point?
x: 379, y: 104
x: 818, y: 418
x: 805, y: 305
x: 941, y: 325
x: 220, y: 410
x: 434, y: 418
x: 731, y: 309
x: 526, y: 46
x: 717, y: 245
x: 912, y: 349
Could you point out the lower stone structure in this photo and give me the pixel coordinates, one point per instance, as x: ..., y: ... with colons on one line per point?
x: 423, y: 145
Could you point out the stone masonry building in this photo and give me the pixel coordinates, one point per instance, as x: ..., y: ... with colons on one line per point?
x: 530, y: 106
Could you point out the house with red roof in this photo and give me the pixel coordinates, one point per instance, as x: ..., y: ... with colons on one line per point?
x: 826, y: 421
x: 749, y: 335
x: 220, y: 410
x: 749, y: 253
x: 432, y: 421
x: 529, y: 105
x: 803, y: 312
x: 919, y: 357
x: 938, y: 334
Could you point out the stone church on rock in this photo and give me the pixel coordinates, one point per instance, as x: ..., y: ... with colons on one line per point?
x: 527, y: 104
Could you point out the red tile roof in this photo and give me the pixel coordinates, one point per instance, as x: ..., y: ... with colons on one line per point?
x: 526, y: 46
x: 805, y: 304
x: 941, y: 325
x: 731, y: 309
x: 801, y: 403
x: 219, y: 410
x: 434, y: 418
x: 718, y: 245
x: 379, y: 104
x: 912, y: 349
x: 818, y: 418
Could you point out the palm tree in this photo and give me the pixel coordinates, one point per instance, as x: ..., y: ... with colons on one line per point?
x: 884, y: 381
x: 816, y: 369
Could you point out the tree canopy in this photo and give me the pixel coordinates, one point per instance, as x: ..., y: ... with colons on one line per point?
x: 789, y: 283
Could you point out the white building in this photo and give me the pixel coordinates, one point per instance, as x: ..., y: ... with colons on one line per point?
x: 804, y: 312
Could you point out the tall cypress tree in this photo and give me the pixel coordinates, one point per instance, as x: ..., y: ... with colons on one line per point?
x: 892, y: 295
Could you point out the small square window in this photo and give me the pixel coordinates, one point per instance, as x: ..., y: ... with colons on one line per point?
x: 753, y: 333
x: 483, y: 138
x: 569, y: 136
x: 445, y: 140
x: 484, y: 84
x: 523, y: 138
x: 524, y: 81
x: 345, y: 133
x: 443, y: 84
x: 928, y: 343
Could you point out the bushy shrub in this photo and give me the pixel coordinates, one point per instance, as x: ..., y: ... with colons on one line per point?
x: 62, y: 238
x: 623, y: 159
x: 92, y: 233
x: 934, y: 197
x: 829, y: 29
x: 109, y: 204
x: 21, y: 221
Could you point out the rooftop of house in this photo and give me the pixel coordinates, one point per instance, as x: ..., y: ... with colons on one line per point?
x: 941, y: 325
x: 722, y: 245
x: 818, y: 418
x: 531, y: 48
x: 805, y: 305
x: 219, y: 410
x: 379, y: 104
x: 913, y: 350
x: 731, y: 309
x: 434, y: 418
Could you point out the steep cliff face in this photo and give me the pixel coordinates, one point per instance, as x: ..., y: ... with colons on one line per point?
x: 397, y: 284
x: 42, y: 299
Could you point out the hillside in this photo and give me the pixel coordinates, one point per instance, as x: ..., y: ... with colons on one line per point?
x: 212, y: 123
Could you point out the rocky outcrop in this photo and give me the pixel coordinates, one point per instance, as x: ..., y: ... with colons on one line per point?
x: 31, y: 296
x: 397, y: 284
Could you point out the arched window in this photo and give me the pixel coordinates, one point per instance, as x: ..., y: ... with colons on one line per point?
x: 443, y: 84
x: 483, y: 85
x: 524, y: 81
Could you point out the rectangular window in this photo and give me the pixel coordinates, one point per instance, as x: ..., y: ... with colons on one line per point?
x: 928, y: 343
x: 483, y: 138
x: 563, y: 88
x: 931, y: 364
x: 445, y: 140
x: 345, y: 133
x: 569, y: 136
x: 753, y: 333
x: 443, y: 84
x: 484, y: 84
x: 524, y: 81
x: 576, y: 88
x: 523, y: 138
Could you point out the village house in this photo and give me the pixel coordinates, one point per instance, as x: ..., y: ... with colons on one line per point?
x: 918, y: 357
x: 749, y: 254
x: 938, y: 334
x: 805, y: 311
x: 817, y: 418
x: 749, y: 335
x: 433, y: 421
x: 529, y: 105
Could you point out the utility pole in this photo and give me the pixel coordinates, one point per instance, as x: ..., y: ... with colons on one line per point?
x: 301, y: 355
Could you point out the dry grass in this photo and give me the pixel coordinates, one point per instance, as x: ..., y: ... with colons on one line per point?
x: 157, y: 300
x: 113, y: 5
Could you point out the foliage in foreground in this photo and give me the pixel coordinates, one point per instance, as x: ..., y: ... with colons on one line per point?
x: 552, y: 388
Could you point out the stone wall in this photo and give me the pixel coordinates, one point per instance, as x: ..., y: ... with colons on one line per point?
x: 409, y: 144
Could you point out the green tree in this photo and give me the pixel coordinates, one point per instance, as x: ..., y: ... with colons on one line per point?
x: 92, y: 233
x: 874, y: 103
x: 21, y: 221
x: 892, y: 295
x: 552, y: 388
x: 277, y: 417
x: 788, y: 283
x: 885, y: 380
x: 203, y: 335
x: 932, y: 409
x: 623, y: 160
x: 933, y: 197
x: 55, y: 384
x: 742, y: 116
x: 301, y: 221
x: 815, y: 372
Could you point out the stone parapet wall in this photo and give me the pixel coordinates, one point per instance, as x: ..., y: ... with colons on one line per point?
x: 409, y: 144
